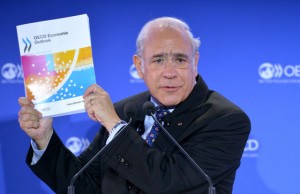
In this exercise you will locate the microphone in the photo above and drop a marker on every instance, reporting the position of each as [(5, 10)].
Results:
[(130, 111), (130, 114), (149, 109)]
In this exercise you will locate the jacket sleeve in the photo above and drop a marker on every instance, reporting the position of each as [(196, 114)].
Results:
[(58, 165)]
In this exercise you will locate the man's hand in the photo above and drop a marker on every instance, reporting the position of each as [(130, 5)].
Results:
[(99, 106), (31, 122)]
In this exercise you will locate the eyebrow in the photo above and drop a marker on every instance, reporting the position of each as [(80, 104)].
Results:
[(166, 55)]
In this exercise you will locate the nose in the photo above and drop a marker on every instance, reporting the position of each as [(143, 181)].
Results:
[(170, 70)]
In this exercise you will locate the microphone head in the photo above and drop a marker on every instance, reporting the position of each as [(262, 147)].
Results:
[(148, 108), (130, 110)]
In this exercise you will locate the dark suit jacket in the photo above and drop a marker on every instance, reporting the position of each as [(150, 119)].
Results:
[(211, 129)]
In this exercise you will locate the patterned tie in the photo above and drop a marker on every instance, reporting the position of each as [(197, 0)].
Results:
[(161, 112)]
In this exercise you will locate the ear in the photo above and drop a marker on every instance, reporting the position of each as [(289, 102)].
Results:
[(196, 59), (139, 66)]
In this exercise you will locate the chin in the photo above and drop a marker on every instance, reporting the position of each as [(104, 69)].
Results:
[(170, 102)]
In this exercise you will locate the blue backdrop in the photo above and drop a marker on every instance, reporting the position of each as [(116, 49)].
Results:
[(249, 53)]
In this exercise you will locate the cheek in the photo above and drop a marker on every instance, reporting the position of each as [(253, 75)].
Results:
[(151, 80), (190, 81), (194, 72)]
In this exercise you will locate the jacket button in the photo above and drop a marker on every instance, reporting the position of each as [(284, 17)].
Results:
[(128, 165), (121, 160)]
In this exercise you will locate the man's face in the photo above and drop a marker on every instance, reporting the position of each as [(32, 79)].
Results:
[(168, 66)]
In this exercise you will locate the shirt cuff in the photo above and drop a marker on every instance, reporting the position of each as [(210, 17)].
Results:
[(115, 130), (37, 154)]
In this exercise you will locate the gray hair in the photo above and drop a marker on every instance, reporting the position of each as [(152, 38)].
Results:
[(165, 22)]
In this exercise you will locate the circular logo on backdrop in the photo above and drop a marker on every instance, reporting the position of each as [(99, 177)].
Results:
[(74, 144), (266, 70), (77, 145), (9, 71), (133, 72)]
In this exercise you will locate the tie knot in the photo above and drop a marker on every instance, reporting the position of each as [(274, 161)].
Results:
[(161, 112)]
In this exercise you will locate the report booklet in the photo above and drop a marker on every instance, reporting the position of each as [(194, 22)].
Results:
[(57, 62)]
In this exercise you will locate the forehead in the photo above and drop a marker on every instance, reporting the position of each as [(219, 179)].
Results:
[(167, 41)]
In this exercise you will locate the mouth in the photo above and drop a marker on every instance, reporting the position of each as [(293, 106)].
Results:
[(170, 88)]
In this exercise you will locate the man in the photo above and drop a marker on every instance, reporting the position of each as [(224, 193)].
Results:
[(211, 129)]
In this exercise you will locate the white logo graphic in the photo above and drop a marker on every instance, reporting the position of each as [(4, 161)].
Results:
[(11, 73), (77, 145), (266, 71), (251, 148), (133, 73), (277, 73)]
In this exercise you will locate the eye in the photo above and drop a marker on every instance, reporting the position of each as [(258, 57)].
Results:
[(159, 60), (180, 60)]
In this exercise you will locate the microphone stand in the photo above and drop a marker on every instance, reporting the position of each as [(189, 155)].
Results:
[(211, 188), (71, 188)]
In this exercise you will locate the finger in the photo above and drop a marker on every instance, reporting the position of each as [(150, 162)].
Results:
[(91, 99), (28, 125), (29, 110), (91, 114), (29, 116), (92, 89), (28, 121), (25, 102), (87, 104)]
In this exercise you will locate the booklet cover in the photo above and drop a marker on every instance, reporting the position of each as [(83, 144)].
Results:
[(57, 62)]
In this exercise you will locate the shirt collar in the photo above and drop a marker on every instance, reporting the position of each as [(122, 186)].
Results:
[(171, 109)]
